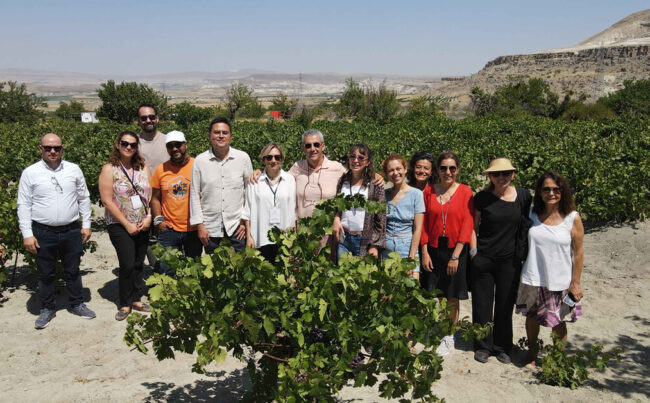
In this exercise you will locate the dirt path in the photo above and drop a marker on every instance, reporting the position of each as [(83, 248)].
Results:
[(79, 360)]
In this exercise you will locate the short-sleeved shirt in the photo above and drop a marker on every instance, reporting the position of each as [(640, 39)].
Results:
[(400, 216), (174, 184), (499, 223), (218, 190), (123, 190), (153, 151), (313, 185)]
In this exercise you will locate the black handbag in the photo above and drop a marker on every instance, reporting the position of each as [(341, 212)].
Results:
[(521, 240)]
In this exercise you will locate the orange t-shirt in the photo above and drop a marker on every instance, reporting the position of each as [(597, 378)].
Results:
[(174, 184)]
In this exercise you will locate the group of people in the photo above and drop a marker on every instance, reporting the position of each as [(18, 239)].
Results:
[(492, 244)]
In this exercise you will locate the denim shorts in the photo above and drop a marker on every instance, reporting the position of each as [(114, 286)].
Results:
[(401, 244)]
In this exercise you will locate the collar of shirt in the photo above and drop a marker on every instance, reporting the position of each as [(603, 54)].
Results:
[(284, 175), (304, 165), (60, 167), (229, 156)]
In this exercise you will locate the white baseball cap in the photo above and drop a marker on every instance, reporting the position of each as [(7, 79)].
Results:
[(175, 135)]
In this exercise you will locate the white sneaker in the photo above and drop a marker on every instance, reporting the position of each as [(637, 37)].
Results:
[(446, 346)]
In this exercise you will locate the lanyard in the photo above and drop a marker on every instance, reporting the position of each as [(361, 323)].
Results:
[(271, 187), (443, 214)]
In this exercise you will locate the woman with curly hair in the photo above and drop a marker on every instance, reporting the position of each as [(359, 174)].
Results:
[(125, 192), (550, 288)]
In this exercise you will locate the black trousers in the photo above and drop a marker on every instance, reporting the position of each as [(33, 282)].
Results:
[(214, 242), (131, 251), (494, 289), (62, 242), (269, 252)]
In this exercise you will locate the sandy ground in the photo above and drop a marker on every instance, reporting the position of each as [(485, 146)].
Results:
[(79, 360)]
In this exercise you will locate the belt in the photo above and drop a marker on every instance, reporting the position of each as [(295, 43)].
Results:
[(399, 236), (352, 232), (56, 228)]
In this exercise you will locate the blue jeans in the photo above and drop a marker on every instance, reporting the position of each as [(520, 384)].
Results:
[(62, 242), (351, 244), (186, 242), (401, 244)]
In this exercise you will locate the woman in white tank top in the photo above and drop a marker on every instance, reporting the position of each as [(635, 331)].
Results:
[(553, 267)]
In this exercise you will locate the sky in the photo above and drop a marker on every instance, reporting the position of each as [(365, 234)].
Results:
[(382, 37)]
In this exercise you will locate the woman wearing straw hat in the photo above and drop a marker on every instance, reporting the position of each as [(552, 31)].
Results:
[(499, 212)]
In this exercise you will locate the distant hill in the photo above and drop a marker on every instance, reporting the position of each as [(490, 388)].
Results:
[(594, 67)]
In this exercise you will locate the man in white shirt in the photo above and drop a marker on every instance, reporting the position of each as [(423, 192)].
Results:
[(51, 195), (217, 192)]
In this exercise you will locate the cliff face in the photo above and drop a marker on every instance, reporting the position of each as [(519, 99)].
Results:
[(594, 67)]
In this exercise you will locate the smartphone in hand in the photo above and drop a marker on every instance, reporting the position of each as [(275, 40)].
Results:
[(569, 300)]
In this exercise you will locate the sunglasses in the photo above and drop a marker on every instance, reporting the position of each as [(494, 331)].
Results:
[(174, 144), (272, 157), (50, 148), (500, 173), (547, 189), (309, 145), (451, 169), (360, 158), (224, 132), (125, 144), (144, 118)]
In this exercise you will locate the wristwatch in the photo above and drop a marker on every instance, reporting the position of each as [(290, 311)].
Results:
[(455, 257), (158, 220)]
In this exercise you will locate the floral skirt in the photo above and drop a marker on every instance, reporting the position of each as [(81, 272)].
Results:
[(545, 305)]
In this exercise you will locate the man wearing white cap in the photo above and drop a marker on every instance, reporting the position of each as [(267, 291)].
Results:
[(170, 200)]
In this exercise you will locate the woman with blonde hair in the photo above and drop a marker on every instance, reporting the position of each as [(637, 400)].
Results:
[(125, 192), (271, 202)]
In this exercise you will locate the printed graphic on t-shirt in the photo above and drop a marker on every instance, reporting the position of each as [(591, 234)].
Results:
[(178, 188)]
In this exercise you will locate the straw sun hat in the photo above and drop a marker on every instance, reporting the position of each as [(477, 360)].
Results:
[(498, 165)]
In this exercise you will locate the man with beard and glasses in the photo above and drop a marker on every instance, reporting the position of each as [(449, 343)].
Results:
[(152, 149), (170, 201), (51, 195)]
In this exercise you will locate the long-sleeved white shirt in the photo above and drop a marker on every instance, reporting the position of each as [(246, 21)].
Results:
[(259, 201), (52, 196), (217, 190)]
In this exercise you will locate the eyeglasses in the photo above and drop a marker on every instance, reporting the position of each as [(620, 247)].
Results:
[(50, 148), (125, 144), (56, 184), (359, 158), (310, 145), (496, 174), (174, 144), (547, 189), (224, 132), (451, 169), (272, 157), (144, 118)]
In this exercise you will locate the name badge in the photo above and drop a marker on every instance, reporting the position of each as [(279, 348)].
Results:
[(136, 202), (274, 216)]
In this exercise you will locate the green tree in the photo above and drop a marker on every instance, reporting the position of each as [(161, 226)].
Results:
[(71, 111), (533, 97), (239, 97), (632, 100), (18, 105), (120, 102), (305, 325), (352, 102), (185, 114), (381, 103)]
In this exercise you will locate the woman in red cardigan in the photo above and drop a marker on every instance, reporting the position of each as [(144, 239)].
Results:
[(448, 226)]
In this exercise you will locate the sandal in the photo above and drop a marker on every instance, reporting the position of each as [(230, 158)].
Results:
[(122, 314), (144, 307)]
